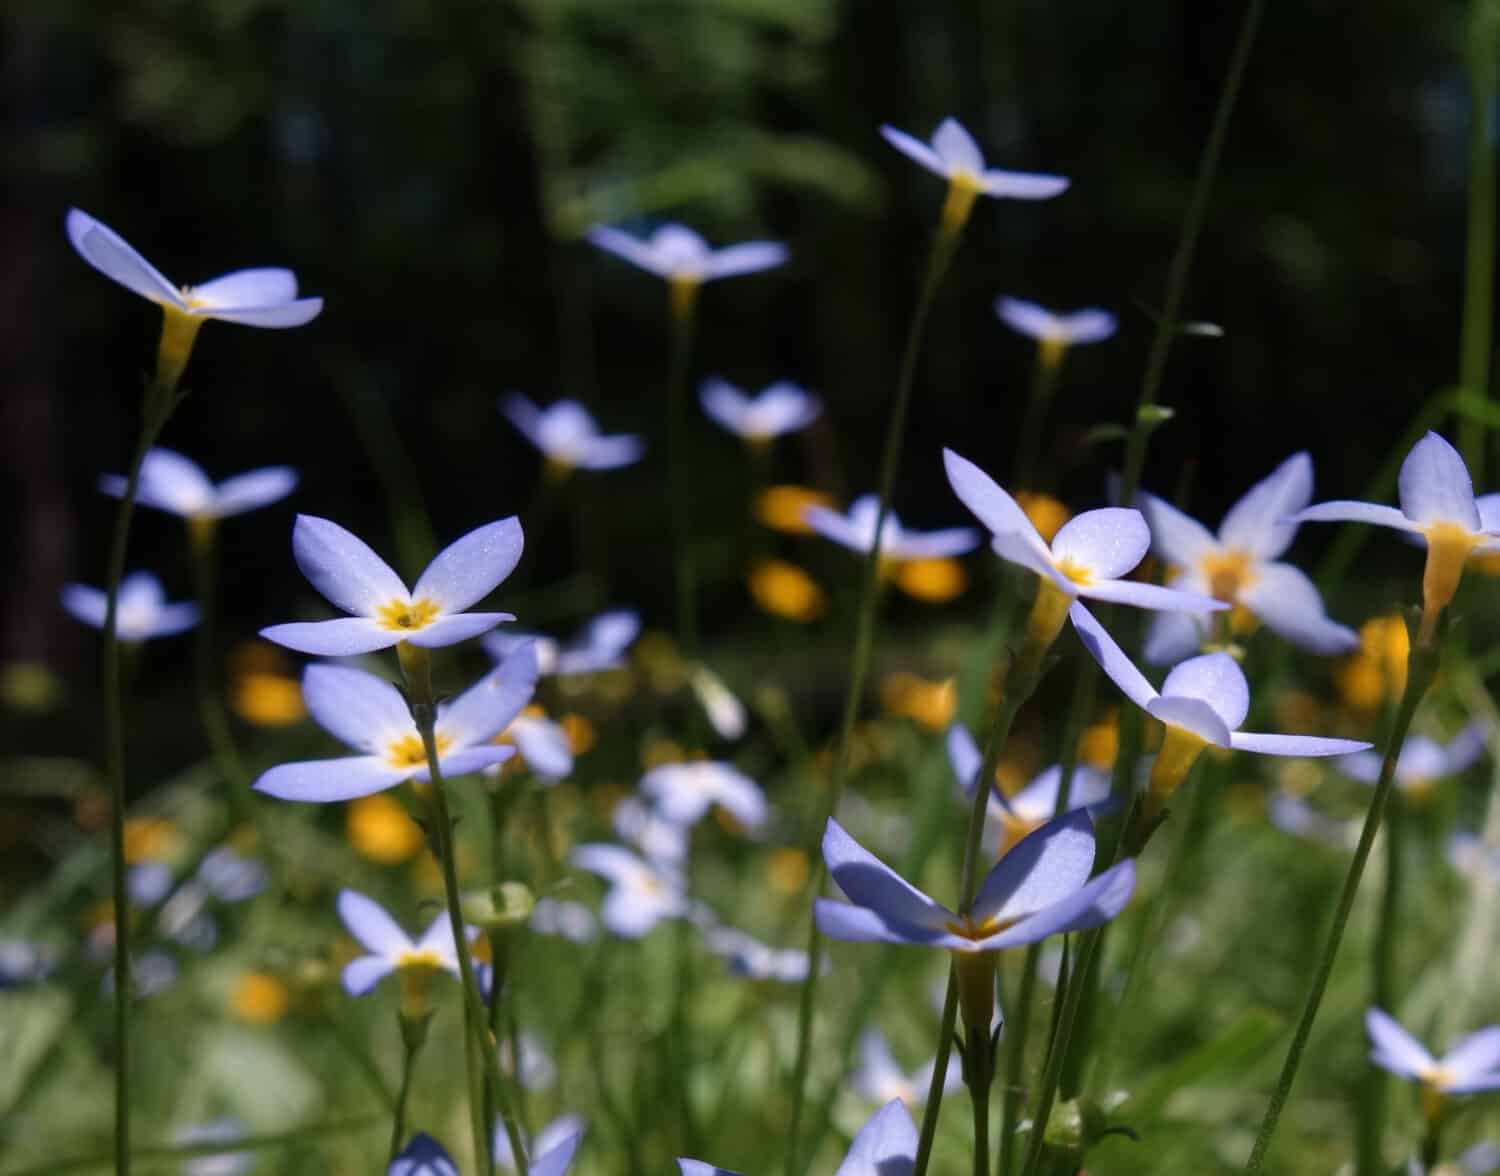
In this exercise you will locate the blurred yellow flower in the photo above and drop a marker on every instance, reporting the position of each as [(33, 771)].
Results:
[(580, 732), (259, 998), (785, 590), (1377, 671), (932, 580), (149, 839), (379, 829), (1100, 742), (781, 507), (1046, 513), (787, 871), (929, 704), (267, 700)]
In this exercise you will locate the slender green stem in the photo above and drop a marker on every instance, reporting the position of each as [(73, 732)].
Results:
[(1479, 258), (683, 323), (980, 1073), (1182, 256), (1422, 666), (1382, 991), (411, 1039), (944, 245), (934, 1102), (1043, 384), (159, 403)]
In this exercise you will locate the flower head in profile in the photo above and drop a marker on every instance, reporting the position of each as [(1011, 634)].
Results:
[(856, 531), (384, 611), (1055, 331), (543, 744), (1011, 818), (1039, 889), (748, 957), (684, 259), (1437, 505), (661, 840), (567, 436), (641, 894), (141, 610), (423, 1156), (778, 408), (599, 646), (254, 297), (1240, 566), (885, 1146), (1202, 703), (878, 1078), (567, 920), (721, 706), (684, 792), (177, 484), (390, 949), (551, 1150), (1423, 762), (953, 154), (371, 716), (1472, 1066)]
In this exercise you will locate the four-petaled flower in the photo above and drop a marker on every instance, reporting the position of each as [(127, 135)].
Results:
[(1422, 762), (684, 259), (369, 714), (684, 792), (885, 1146), (1472, 1066), (348, 574), (856, 531), (1437, 504), (177, 484), (390, 948), (641, 894), (567, 436), (1055, 331), (1239, 566), (141, 609), (779, 408)]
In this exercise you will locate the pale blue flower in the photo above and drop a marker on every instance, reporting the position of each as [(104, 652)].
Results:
[(1472, 1066), (599, 646), (24, 962), (568, 920), (1471, 857), (885, 1146), (254, 297), (141, 609), (879, 1079), (390, 948), (660, 839), (684, 792), (1053, 328), (1422, 762), (177, 484), (748, 957), (544, 746), (779, 408), (369, 714), (856, 531), (678, 254), (566, 434), (1089, 556), (1292, 814), (1207, 697), (641, 894), (230, 876), (221, 1130), (1040, 888), (423, 1156), (953, 154), (352, 577), (1240, 566), (563, 1132)]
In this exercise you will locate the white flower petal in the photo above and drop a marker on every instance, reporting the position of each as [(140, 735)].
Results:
[(747, 258), (356, 708), (1176, 537), (321, 781), (1290, 606), (1108, 543), (957, 149), (343, 568), (1346, 511), (1111, 657), (290, 314), (1434, 485), (470, 568), (885, 1146), (1257, 522), (1299, 745), (1389, 1038), (914, 149), (1043, 868), (1152, 596), (372, 925), (1172, 637), (1191, 714), (1215, 678), (991, 505), (250, 491), (869, 882), (112, 256), (1029, 318), (362, 974), (622, 244), (342, 637), (1023, 185), (452, 630), (246, 289)]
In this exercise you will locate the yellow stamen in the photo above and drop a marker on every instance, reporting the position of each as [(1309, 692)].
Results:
[(963, 187), (407, 751), (406, 616), (1228, 574), (1448, 547)]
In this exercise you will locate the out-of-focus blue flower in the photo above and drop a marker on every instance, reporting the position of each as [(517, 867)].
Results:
[(352, 577), (1472, 1066), (564, 1130), (568, 920), (1052, 329), (390, 948), (779, 408), (599, 646), (230, 876), (177, 484), (684, 792), (369, 714), (1240, 566), (567, 436), (856, 531), (220, 1130), (649, 831), (536, 1070), (879, 1079), (141, 610), (24, 962), (885, 1146), (1422, 762), (1292, 814), (423, 1156), (748, 957), (1471, 857), (678, 254), (953, 154), (641, 894)]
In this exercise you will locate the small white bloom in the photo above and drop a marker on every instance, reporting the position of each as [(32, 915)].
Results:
[(1053, 328), (640, 894), (566, 434), (779, 408), (141, 610), (953, 154), (678, 254), (685, 792), (176, 484), (726, 714), (856, 531)]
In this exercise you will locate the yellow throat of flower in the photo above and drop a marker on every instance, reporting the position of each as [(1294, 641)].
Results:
[(1228, 574), (407, 750), (1448, 548), (178, 331), (963, 187), (1180, 749), (406, 616)]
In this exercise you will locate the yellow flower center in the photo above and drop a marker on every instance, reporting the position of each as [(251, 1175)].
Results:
[(379, 828), (1448, 547), (408, 752), (1075, 572), (421, 957), (1228, 574), (407, 615), (966, 927), (963, 187)]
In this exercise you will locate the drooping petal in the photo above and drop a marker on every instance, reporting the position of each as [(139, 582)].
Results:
[(112, 256), (1096, 902), (492, 704), (246, 288), (1016, 185), (1191, 714), (322, 781), (747, 258), (171, 619), (1029, 553), (250, 491), (914, 149), (1028, 318), (724, 404), (289, 314), (857, 924), (1176, 537), (1171, 637), (832, 525), (526, 416), (544, 746), (871, 883), (1088, 326), (1152, 596), (470, 568), (343, 568), (141, 593), (1257, 522), (1345, 511), (1309, 745), (1217, 679), (342, 637), (885, 1146), (1111, 657), (611, 453), (1363, 766), (356, 708), (453, 629), (1109, 542), (372, 925), (1289, 604), (554, 1160), (363, 973), (1044, 867), (957, 149), (991, 505), (622, 244), (1434, 485), (1475, 1056), (941, 544), (173, 482), (1410, 1057), (964, 757), (85, 604)]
